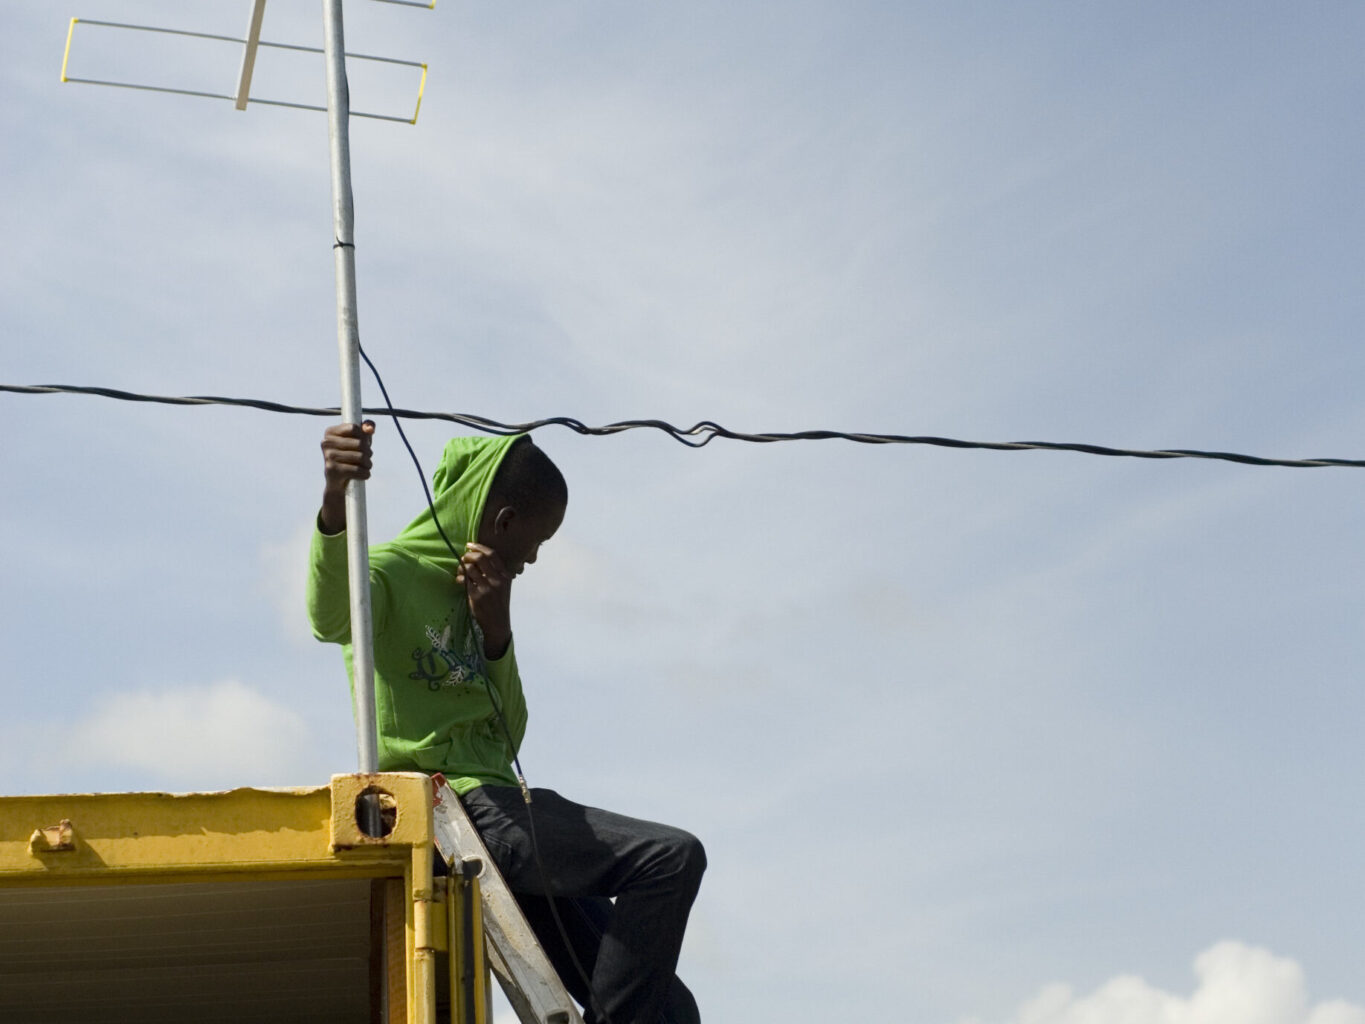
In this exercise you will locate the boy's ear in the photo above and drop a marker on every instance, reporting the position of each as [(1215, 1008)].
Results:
[(504, 518)]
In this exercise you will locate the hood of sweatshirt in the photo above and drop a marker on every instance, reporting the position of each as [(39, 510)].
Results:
[(459, 490)]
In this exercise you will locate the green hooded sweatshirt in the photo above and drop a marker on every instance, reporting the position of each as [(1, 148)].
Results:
[(431, 703)]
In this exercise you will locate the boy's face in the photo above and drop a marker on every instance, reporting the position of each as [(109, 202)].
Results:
[(517, 536)]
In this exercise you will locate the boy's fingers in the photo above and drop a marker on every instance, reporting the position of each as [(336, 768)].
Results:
[(349, 463), (352, 433), (341, 442), (475, 550), (484, 569), (488, 563)]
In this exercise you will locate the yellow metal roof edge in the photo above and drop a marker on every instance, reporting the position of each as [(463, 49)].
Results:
[(294, 790), (62, 838)]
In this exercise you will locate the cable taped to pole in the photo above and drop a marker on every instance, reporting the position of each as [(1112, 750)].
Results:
[(696, 436)]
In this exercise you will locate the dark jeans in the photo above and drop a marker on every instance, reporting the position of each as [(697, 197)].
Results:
[(623, 888)]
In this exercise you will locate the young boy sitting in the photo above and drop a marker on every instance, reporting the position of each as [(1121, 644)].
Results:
[(444, 654)]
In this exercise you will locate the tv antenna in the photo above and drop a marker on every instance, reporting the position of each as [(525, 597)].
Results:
[(339, 114)]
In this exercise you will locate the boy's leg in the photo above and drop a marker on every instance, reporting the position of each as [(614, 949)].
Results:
[(652, 872), (585, 920), (679, 1006)]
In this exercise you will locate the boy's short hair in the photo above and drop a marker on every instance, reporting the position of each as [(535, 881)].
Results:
[(527, 480)]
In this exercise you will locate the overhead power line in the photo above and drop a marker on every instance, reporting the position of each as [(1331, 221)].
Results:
[(696, 436)]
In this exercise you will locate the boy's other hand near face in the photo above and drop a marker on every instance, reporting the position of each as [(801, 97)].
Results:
[(488, 583)]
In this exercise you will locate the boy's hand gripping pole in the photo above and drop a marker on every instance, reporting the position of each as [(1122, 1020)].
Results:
[(348, 340)]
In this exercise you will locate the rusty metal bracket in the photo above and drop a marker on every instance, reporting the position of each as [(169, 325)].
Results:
[(58, 838), (402, 800)]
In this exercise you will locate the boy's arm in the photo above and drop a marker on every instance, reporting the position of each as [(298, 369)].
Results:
[(346, 456), (489, 586), (329, 599)]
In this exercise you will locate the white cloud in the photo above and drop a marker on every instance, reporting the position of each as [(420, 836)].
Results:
[(199, 737), (1237, 984)]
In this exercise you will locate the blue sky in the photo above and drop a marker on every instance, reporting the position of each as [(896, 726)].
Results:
[(956, 727)]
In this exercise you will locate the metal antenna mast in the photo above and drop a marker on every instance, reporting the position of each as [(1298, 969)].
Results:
[(348, 341)]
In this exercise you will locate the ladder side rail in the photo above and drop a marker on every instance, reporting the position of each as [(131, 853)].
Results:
[(523, 969)]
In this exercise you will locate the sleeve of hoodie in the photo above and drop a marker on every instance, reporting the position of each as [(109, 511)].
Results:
[(329, 599)]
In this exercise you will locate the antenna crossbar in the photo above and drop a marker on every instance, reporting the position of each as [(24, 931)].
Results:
[(252, 44)]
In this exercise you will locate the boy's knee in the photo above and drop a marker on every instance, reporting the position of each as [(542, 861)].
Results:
[(689, 854)]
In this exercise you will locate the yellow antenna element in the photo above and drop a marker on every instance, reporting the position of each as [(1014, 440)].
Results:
[(253, 42), (71, 31), (421, 86)]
